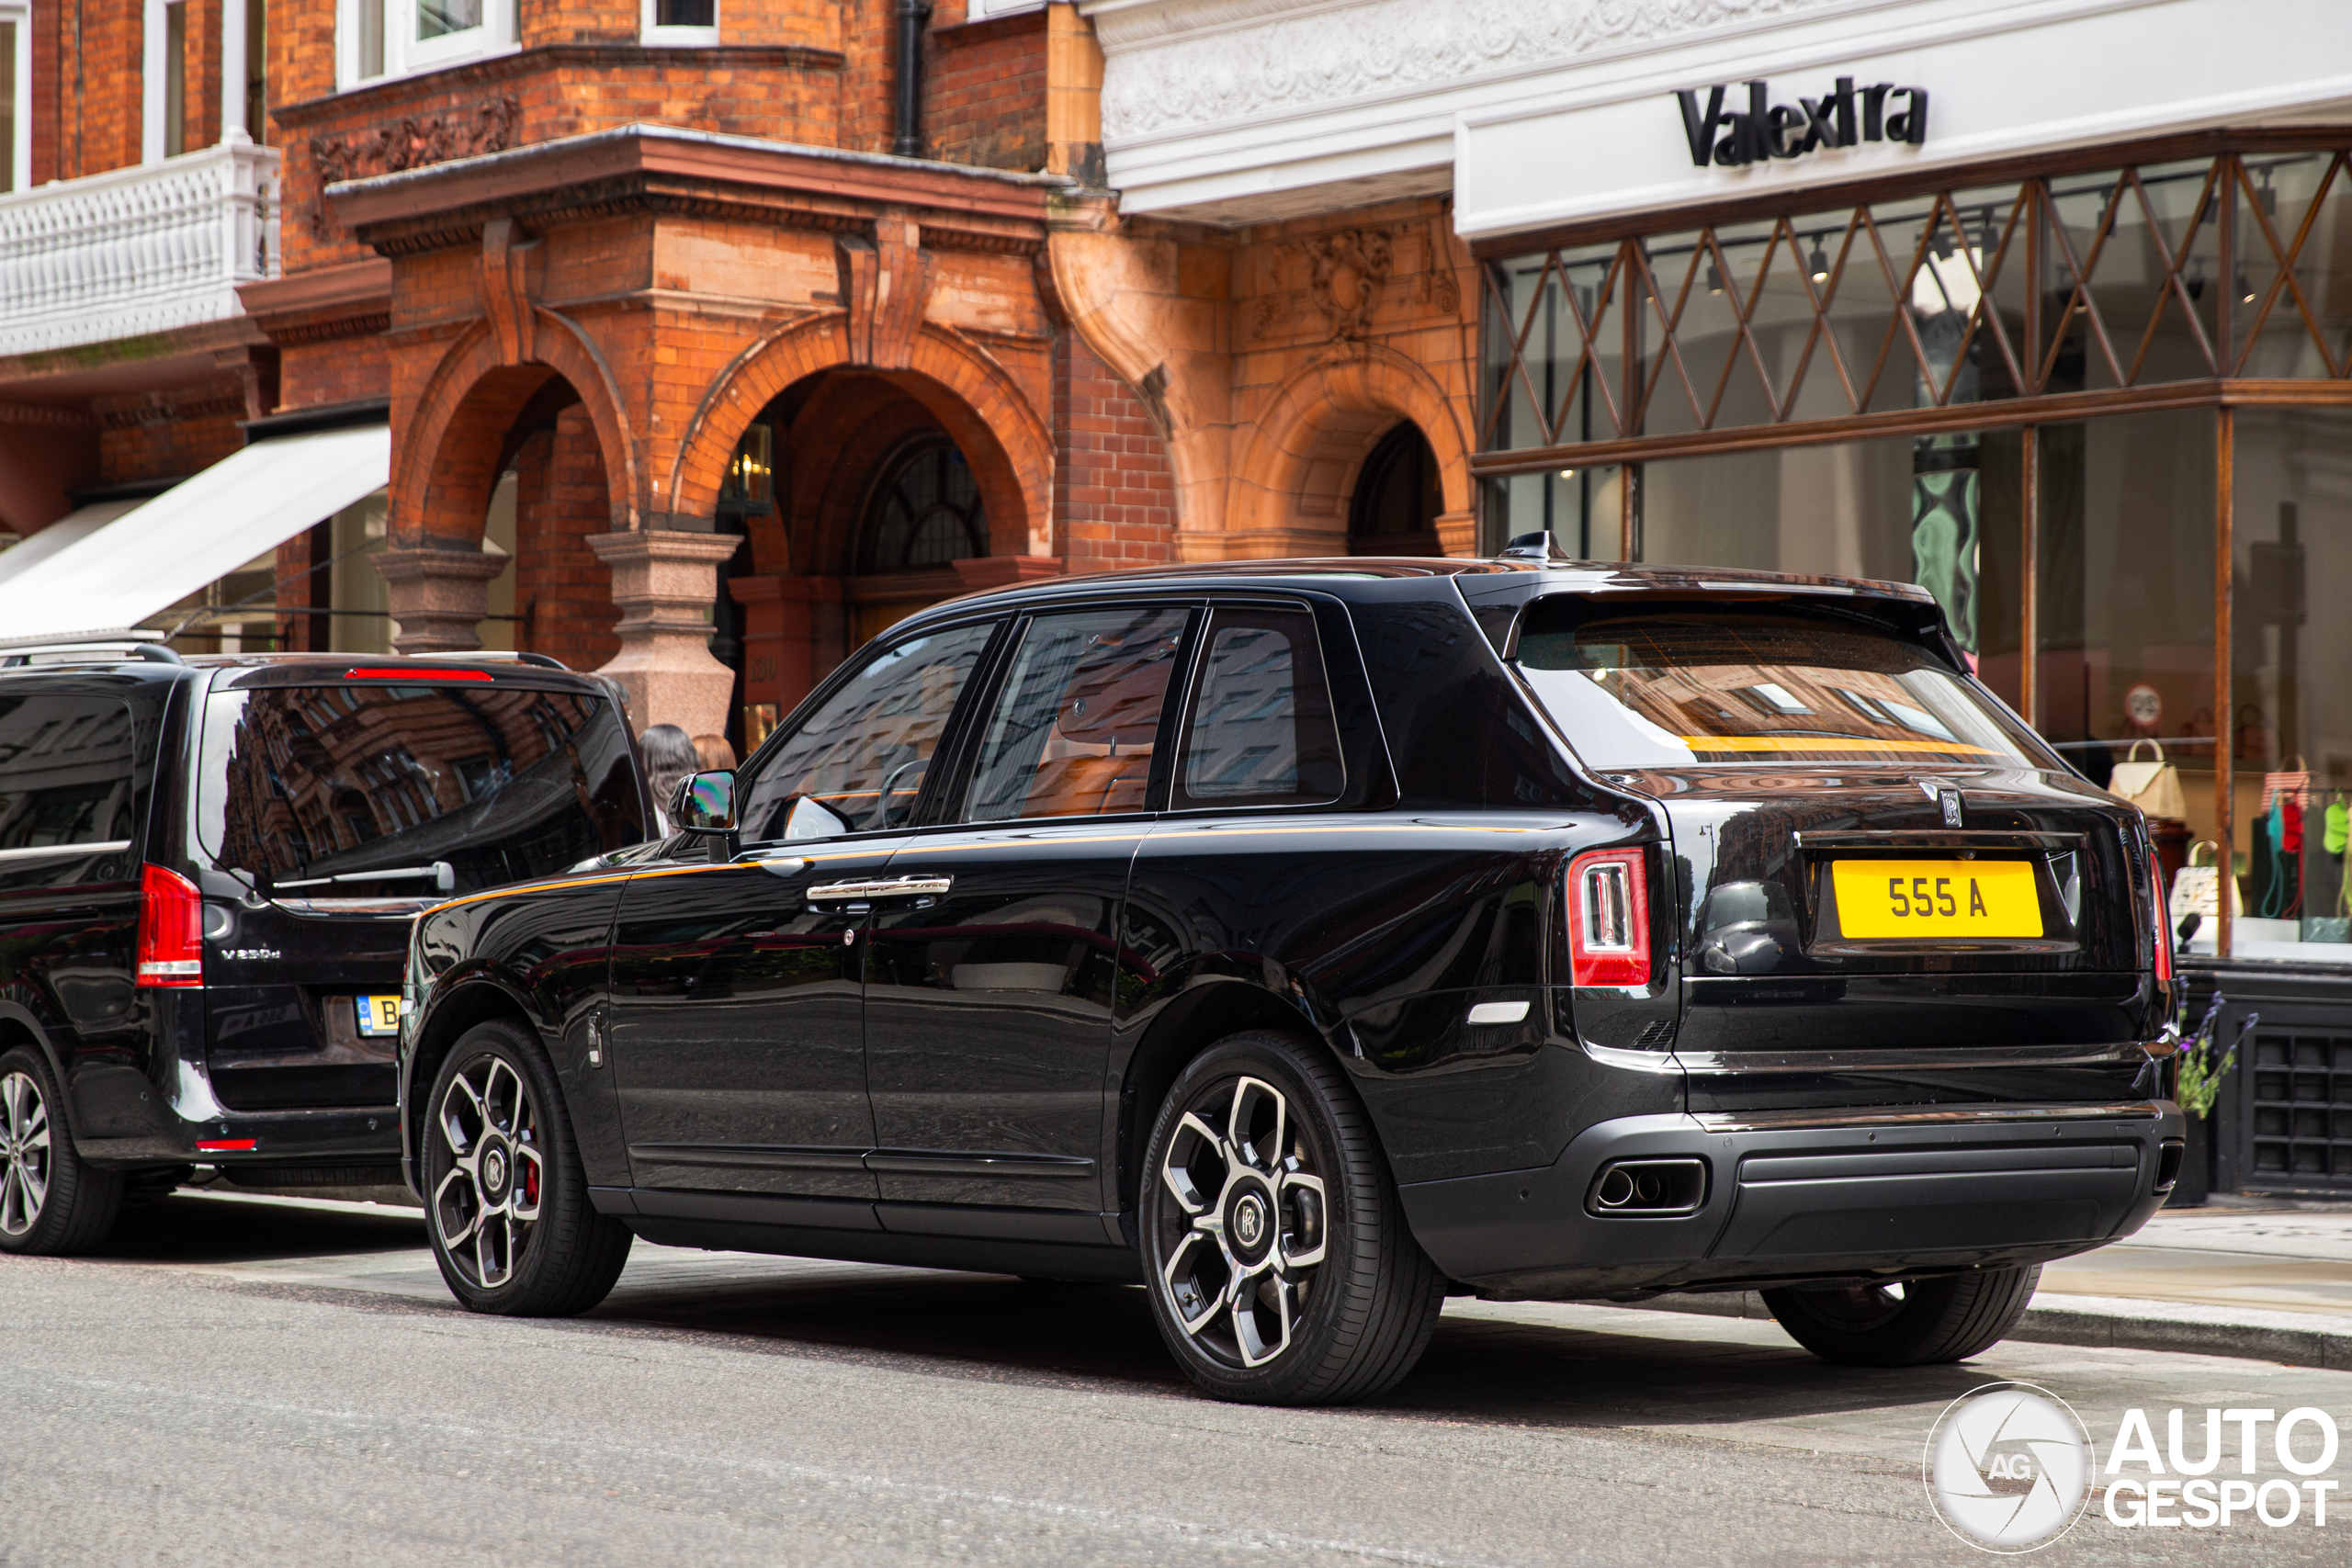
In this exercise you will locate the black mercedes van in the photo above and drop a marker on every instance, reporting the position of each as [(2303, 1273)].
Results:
[(1307, 941), (208, 868)]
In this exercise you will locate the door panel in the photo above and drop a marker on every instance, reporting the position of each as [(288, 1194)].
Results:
[(736, 1038), (988, 1013), (988, 1003), (738, 1035)]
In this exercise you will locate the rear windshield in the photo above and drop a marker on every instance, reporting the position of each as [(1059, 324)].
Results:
[(303, 783), (1665, 688)]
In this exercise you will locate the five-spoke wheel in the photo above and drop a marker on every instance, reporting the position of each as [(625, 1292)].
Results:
[(1281, 1268), (486, 1206), (513, 1227), (1248, 1224), (24, 1154), (51, 1202)]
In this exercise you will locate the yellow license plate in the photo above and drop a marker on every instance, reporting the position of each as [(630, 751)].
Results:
[(1904, 900), (379, 1015)]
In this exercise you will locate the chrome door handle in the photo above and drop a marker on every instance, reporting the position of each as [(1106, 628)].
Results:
[(882, 888)]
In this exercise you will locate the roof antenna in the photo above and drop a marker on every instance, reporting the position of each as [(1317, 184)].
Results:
[(1540, 547)]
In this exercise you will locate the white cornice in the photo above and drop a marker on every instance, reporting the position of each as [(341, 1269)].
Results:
[(1173, 66)]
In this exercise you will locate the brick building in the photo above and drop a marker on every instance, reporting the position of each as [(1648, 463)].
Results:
[(697, 343)]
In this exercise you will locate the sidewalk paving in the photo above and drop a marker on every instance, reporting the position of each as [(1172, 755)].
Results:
[(2274, 1284)]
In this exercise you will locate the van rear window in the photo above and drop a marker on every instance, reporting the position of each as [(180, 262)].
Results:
[(308, 784), (1665, 688)]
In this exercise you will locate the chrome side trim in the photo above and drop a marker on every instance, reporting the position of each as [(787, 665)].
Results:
[(974, 1162), (52, 851), (1954, 1116), (1715, 1063), (882, 888), (1931, 838), (763, 1156)]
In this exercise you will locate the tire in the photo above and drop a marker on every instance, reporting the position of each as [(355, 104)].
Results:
[(51, 1204), (1337, 1301), (506, 1196), (1907, 1324)]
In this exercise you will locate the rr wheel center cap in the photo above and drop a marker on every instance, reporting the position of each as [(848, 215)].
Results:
[(493, 1170), (1250, 1223)]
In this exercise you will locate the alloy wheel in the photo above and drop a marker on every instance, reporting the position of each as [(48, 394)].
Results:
[(486, 1207), (1250, 1226), (24, 1154)]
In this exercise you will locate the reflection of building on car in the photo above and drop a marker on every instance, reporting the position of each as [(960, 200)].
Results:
[(1307, 941), (207, 867)]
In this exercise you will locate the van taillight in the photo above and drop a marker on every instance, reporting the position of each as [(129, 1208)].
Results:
[(171, 929), (2165, 937), (1609, 918)]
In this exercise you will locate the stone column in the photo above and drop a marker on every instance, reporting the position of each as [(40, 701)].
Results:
[(437, 596), (665, 581), (1457, 533)]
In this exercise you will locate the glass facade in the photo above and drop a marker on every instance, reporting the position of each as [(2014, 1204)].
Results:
[(2058, 401)]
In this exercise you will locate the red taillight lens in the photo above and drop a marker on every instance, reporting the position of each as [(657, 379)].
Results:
[(416, 677), (226, 1146), (2163, 907), (1608, 918), (171, 929)]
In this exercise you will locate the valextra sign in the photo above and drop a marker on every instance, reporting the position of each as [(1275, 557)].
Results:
[(1845, 117)]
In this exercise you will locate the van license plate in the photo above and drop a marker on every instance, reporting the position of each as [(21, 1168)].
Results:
[(382, 1015), (1910, 900)]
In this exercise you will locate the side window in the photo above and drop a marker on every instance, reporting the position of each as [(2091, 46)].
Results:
[(1073, 731), (864, 753), (1260, 732), (65, 772)]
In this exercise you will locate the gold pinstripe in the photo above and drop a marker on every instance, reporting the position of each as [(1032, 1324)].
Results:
[(1293, 831)]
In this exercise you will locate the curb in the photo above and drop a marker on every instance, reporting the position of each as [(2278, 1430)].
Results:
[(2290, 1338)]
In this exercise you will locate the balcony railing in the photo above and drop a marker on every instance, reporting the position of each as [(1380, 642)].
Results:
[(141, 250)]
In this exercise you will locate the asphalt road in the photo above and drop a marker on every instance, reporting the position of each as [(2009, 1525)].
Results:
[(247, 1382)]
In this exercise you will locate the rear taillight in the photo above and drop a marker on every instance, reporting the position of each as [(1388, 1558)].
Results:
[(2157, 901), (1609, 918), (171, 929)]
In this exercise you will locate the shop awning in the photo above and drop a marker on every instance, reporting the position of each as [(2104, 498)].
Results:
[(199, 530), (71, 529)]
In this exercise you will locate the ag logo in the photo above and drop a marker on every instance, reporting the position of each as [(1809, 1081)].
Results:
[(2008, 1468)]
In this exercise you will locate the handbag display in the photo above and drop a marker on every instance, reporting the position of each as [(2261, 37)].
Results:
[(2153, 787), (2196, 889)]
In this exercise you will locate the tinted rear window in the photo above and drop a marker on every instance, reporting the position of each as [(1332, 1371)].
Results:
[(501, 783), (65, 772), (1666, 688)]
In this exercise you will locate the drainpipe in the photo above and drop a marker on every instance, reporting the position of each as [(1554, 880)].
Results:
[(912, 15)]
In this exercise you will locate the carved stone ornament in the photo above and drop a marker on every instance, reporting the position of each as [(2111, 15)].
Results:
[(1347, 271), (412, 143), (1187, 64)]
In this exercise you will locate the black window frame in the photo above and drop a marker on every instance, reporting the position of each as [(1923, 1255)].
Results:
[(1184, 804)]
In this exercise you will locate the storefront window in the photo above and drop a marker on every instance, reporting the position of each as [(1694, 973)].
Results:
[(2125, 595), (2291, 725), (2134, 277)]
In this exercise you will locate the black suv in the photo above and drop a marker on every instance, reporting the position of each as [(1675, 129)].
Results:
[(1310, 940), (207, 872)]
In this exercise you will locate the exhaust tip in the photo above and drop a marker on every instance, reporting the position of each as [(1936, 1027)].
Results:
[(1649, 1188)]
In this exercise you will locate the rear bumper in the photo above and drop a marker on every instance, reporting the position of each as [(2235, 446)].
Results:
[(1807, 1195)]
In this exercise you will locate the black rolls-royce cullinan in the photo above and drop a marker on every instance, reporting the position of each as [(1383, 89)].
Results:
[(1306, 942)]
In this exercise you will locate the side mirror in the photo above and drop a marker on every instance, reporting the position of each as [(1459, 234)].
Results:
[(704, 804), (812, 818)]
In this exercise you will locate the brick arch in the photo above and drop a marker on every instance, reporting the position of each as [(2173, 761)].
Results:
[(458, 425), (1301, 459), (1006, 441)]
